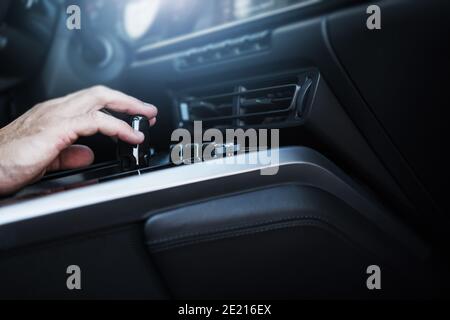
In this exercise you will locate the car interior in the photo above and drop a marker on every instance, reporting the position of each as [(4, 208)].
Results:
[(360, 173)]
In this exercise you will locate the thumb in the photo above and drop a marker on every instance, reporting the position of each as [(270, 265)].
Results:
[(73, 157)]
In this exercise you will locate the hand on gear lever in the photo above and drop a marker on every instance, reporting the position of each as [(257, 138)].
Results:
[(42, 139), (136, 156)]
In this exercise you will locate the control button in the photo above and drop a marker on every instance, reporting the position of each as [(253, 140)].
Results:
[(227, 49)]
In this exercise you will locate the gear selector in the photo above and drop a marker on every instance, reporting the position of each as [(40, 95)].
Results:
[(136, 156)]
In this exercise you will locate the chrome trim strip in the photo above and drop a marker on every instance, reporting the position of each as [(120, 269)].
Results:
[(136, 185), (304, 165), (136, 126)]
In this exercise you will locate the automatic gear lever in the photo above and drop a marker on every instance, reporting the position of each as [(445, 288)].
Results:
[(136, 156)]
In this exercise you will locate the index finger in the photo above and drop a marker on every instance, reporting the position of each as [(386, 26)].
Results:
[(99, 97)]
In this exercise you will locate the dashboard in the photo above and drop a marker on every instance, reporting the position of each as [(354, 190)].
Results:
[(161, 20), (185, 53), (126, 24), (152, 21)]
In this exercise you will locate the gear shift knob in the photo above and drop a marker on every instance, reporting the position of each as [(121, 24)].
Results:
[(136, 156)]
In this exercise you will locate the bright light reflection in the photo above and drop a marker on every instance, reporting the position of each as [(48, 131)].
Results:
[(139, 16)]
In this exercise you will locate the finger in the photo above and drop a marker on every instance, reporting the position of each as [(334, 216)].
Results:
[(73, 157), (109, 126), (100, 97), (138, 108), (152, 122)]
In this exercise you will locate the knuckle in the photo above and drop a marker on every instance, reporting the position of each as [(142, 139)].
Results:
[(98, 90), (93, 117), (123, 126)]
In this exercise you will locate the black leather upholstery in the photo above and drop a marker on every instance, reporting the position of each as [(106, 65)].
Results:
[(284, 242)]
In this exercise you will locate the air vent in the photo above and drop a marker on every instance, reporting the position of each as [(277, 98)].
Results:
[(267, 103)]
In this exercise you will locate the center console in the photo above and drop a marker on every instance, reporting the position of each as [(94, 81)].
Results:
[(197, 214), (218, 226)]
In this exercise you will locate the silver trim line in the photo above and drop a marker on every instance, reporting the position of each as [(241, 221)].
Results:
[(136, 127), (136, 185), (301, 165)]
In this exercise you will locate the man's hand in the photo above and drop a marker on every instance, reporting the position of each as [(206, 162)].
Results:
[(41, 139)]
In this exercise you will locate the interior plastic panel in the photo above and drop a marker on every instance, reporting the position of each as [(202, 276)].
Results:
[(386, 72), (114, 265), (297, 46)]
